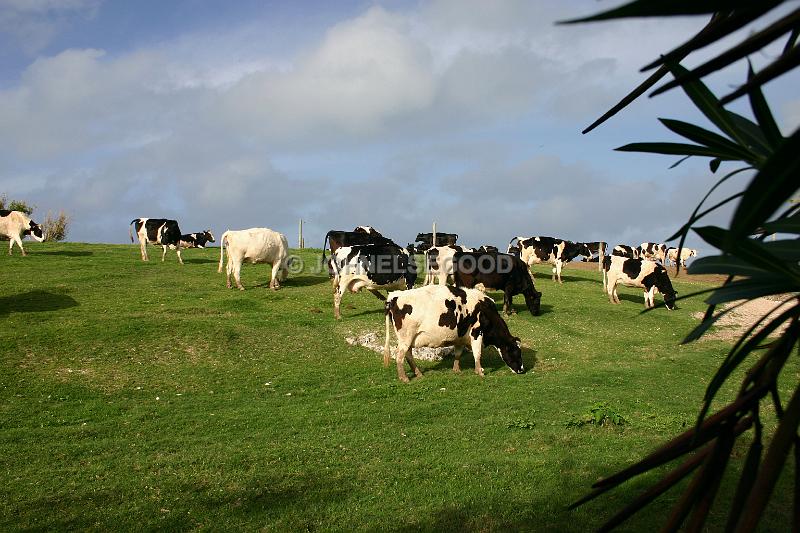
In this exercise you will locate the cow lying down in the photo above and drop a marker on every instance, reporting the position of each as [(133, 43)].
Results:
[(649, 275), (436, 316)]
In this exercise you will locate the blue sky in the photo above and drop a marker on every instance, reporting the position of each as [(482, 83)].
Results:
[(227, 115)]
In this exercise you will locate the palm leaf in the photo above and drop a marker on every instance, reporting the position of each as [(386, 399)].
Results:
[(763, 115), (780, 66), (661, 8), (711, 140)]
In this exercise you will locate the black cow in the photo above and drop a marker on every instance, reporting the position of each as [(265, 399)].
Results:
[(371, 267), (369, 230), (535, 250), (159, 231), (488, 248), (197, 240), (442, 239), (496, 271)]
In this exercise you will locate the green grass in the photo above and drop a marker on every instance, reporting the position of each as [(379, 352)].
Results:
[(145, 395)]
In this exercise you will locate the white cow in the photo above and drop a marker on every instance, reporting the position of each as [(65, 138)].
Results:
[(255, 245), (14, 225), (436, 316), (686, 253)]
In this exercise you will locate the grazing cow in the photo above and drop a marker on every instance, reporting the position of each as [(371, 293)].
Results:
[(686, 253), (623, 250), (369, 230), (598, 250), (255, 245), (500, 272), (436, 316), (14, 225), (649, 275), (338, 238), (442, 239), (535, 250), (371, 267), (439, 262), (159, 231), (197, 240), (653, 251)]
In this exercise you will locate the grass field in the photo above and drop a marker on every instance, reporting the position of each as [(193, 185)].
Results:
[(147, 396)]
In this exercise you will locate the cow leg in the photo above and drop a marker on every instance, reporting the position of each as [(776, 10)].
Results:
[(559, 264), (164, 254), (457, 358), (237, 275), (477, 347), (410, 358), (10, 245), (228, 270), (337, 301), (143, 249), (178, 251), (508, 304), (274, 284)]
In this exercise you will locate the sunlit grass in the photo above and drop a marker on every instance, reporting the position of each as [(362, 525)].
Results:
[(146, 395)]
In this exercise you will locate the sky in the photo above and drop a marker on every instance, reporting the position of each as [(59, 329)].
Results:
[(394, 114)]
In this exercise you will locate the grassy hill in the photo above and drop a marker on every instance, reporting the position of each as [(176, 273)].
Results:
[(146, 395)]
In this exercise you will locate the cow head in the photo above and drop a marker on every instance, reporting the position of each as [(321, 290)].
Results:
[(664, 286), (533, 299), (495, 332), (35, 231), (209, 236)]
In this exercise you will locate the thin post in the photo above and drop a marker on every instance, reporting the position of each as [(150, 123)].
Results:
[(300, 235)]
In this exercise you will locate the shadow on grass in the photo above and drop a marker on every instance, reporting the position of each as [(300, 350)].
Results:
[(305, 281), (35, 301), (66, 253), (491, 360), (199, 261)]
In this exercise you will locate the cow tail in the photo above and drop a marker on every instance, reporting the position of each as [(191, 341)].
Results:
[(388, 320), (130, 228), (324, 244), (222, 242)]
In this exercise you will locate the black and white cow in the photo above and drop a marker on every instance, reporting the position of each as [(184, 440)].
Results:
[(499, 272), (369, 230), (254, 245), (371, 267), (425, 240), (643, 273), (338, 238), (653, 251), (623, 250), (487, 248), (558, 252), (439, 262), (197, 240), (159, 231), (686, 253), (14, 225), (598, 250), (438, 315)]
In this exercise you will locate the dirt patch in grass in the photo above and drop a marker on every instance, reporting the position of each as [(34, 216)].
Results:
[(736, 322), (371, 340)]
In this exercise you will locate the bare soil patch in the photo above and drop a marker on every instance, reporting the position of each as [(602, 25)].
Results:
[(736, 322)]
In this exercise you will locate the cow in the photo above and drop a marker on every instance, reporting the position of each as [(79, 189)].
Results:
[(371, 267), (535, 250), (442, 239), (598, 250), (500, 272), (197, 240), (159, 231), (369, 230), (649, 275), (254, 245), (338, 238), (438, 315), (487, 248), (686, 253), (653, 251), (623, 250), (439, 262), (14, 225)]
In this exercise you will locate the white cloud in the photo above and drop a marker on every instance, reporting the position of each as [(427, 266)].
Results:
[(34, 23)]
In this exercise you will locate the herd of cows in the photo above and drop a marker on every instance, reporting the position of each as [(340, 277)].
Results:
[(435, 315)]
